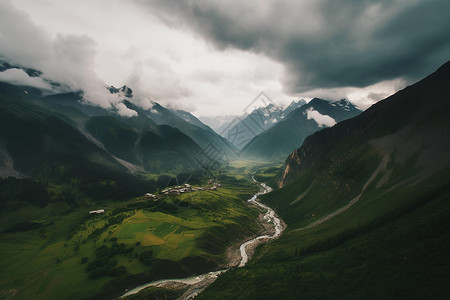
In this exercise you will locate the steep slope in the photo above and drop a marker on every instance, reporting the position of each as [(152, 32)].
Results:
[(34, 136), (367, 205), (398, 143), (415, 114), (118, 138), (188, 117), (121, 136), (40, 144), (202, 135), (289, 134), (239, 130), (153, 148), (182, 120)]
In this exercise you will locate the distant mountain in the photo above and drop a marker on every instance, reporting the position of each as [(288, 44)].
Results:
[(288, 134), (188, 117), (125, 91), (189, 125), (242, 129), (293, 106), (217, 123), (184, 121), (239, 130)]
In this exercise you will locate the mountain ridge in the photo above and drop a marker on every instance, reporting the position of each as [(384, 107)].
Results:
[(289, 133), (301, 157)]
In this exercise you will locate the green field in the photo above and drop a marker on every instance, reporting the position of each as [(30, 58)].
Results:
[(61, 251)]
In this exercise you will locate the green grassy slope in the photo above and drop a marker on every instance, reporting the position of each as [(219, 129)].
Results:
[(116, 136), (153, 148), (367, 205), (44, 146), (399, 253), (58, 252)]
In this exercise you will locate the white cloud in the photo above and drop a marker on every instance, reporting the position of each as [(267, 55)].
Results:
[(20, 39), (321, 120), (172, 66), (20, 77), (91, 44), (124, 111), (67, 59)]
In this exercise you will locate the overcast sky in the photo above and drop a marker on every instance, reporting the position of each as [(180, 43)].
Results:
[(213, 56)]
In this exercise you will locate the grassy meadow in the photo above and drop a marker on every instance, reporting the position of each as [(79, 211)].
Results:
[(60, 251)]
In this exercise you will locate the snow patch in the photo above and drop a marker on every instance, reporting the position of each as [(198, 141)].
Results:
[(321, 120)]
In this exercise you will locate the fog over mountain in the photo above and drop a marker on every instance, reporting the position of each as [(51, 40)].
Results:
[(213, 58)]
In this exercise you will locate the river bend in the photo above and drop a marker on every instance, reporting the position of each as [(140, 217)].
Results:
[(269, 216)]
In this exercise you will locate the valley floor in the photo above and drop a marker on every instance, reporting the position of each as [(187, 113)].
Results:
[(238, 256), (65, 248)]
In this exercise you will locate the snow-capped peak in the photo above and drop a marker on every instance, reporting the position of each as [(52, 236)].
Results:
[(344, 103)]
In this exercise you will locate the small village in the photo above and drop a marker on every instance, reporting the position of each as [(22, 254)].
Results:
[(177, 190), (185, 188)]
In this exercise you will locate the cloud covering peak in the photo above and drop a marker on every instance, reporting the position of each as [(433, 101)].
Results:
[(68, 60)]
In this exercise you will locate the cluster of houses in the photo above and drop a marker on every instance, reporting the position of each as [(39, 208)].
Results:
[(185, 188), (177, 190), (151, 196)]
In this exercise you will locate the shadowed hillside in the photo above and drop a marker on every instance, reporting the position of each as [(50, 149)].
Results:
[(367, 204)]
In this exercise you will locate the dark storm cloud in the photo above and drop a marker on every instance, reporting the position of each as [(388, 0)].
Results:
[(324, 44)]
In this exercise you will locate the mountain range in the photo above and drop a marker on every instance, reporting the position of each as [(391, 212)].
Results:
[(90, 152), (296, 124), (134, 144), (365, 195), (242, 129), (187, 123), (159, 139), (137, 143)]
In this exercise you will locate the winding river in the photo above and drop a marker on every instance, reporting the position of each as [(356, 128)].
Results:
[(269, 216)]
